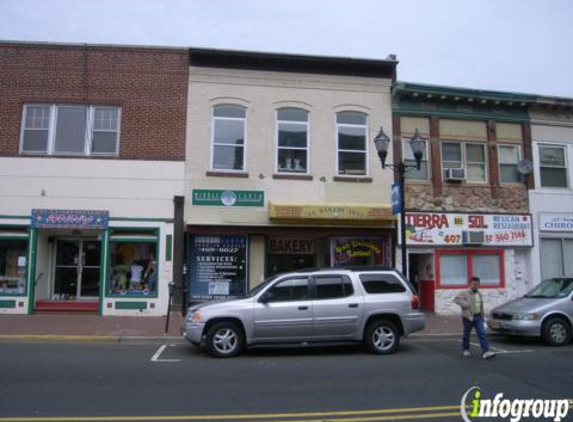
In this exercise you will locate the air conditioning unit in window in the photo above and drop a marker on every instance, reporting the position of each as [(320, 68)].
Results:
[(473, 238), (456, 175)]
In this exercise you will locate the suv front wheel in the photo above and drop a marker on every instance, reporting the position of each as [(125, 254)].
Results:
[(225, 339), (381, 337)]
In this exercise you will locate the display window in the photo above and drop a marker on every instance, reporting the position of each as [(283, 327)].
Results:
[(133, 269), (360, 251), (457, 267), (13, 266), (289, 253)]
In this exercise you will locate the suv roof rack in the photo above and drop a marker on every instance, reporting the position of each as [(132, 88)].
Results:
[(357, 268)]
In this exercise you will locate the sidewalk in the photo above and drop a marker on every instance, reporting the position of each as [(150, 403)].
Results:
[(93, 327)]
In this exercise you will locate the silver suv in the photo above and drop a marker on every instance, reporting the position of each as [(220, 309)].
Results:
[(375, 306)]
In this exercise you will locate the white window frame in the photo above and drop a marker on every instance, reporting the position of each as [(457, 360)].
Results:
[(499, 163), (566, 149), (245, 143), (464, 158), (278, 147), (365, 126), (407, 150), (89, 129)]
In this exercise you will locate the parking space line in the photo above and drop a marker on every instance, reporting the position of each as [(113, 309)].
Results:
[(503, 351), (155, 357)]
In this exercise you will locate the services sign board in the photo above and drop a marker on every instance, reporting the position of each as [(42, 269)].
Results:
[(218, 267), (556, 222), (69, 219), (447, 229)]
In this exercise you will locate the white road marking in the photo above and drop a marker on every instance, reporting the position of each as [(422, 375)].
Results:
[(161, 349), (503, 351)]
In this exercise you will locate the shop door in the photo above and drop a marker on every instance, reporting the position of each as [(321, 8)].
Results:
[(77, 269)]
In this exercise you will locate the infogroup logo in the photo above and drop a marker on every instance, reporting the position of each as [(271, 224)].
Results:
[(514, 409)]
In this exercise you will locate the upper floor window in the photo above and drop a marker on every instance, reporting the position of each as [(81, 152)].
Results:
[(70, 130), (509, 156), (464, 155), (413, 173), (229, 134), (292, 139), (553, 166), (351, 132)]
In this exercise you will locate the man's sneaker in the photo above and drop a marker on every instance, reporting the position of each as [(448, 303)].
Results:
[(488, 355), (467, 354)]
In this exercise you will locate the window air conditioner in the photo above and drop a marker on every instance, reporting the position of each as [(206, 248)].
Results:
[(473, 238), (456, 175)]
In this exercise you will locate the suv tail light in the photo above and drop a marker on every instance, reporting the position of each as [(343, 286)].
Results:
[(415, 302)]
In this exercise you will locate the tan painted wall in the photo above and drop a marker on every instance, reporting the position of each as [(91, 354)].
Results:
[(256, 260), (262, 93)]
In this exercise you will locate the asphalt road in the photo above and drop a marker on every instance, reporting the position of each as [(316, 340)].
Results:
[(425, 379)]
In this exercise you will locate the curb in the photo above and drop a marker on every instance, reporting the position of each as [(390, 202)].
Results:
[(86, 338)]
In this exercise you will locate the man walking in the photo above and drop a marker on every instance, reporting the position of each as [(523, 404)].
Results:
[(471, 302)]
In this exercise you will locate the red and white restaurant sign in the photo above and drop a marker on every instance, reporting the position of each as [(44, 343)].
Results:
[(447, 229)]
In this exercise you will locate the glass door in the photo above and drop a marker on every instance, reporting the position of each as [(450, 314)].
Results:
[(77, 269)]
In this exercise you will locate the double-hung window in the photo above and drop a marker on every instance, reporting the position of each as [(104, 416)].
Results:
[(553, 166), (292, 140), (508, 156), (413, 173), (70, 130), (352, 141), (469, 156), (229, 138)]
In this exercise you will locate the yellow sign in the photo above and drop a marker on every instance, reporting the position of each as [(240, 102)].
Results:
[(339, 213)]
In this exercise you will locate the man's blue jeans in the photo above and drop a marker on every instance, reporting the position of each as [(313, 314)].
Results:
[(477, 323)]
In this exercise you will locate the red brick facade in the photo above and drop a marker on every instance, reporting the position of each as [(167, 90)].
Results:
[(149, 84)]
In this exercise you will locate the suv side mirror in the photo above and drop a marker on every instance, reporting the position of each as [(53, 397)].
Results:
[(266, 297)]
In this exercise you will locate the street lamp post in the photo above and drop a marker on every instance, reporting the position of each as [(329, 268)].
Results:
[(418, 145)]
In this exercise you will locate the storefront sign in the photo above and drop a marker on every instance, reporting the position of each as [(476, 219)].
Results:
[(450, 229), (360, 251), (329, 212), (290, 246), (218, 267), (70, 219), (228, 198), (556, 222)]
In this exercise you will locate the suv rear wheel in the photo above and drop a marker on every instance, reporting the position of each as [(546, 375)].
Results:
[(225, 339), (556, 332), (381, 337)]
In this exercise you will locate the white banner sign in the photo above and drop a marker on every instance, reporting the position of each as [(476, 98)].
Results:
[(556, 222), (451, 229)]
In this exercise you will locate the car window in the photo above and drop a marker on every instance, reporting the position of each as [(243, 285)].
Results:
[(552, 289), (381, 283), (333, 286), (289, 290)]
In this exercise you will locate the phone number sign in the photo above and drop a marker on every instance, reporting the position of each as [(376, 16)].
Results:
[(452, 229)]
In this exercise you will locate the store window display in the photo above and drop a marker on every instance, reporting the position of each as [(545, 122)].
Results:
[(13, 264), (133, 269)]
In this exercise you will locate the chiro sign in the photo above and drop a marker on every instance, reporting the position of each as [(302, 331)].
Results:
[(455, 229), (228, 198)]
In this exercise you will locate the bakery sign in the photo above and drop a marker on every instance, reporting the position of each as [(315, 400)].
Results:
[(453, 229)]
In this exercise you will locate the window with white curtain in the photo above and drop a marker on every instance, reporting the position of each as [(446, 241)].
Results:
[(458, 267), (292, 140), (352, 142)]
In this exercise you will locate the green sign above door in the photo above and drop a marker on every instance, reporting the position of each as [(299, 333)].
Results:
[(228, 198)]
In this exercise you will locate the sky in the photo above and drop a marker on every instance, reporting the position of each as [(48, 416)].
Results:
[(523, 46)]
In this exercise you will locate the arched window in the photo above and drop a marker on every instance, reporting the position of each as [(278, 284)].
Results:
[(229, 137), (292, 140), (352, 141)]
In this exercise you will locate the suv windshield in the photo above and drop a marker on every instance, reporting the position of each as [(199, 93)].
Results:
[(261, 286), (552, 289)]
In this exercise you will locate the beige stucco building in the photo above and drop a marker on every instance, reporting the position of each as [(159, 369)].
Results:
[(281, 165)]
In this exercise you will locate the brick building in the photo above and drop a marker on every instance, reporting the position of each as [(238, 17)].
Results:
[(467, 208), (92, 150)]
